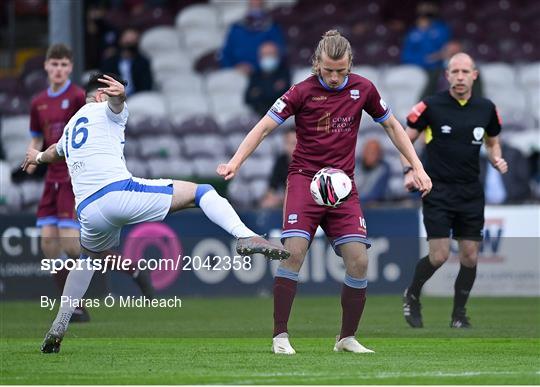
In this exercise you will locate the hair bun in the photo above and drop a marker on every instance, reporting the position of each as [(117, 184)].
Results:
[(331, 33)]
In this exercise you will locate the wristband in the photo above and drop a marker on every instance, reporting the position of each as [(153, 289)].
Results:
[(407, 170), (38, 158)]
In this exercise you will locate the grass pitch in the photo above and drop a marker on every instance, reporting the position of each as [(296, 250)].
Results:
[(227, 341)]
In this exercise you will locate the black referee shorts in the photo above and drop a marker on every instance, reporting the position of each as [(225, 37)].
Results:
[(454, 210)]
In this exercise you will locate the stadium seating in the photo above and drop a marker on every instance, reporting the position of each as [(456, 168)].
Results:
[(147, 104), (192, 121), (181, 82), (401, 88), (15, 139), (197, 16), (159, 40), (230, 11), (181, 107)]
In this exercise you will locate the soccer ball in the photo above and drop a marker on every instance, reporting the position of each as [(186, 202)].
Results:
[(330, 187)]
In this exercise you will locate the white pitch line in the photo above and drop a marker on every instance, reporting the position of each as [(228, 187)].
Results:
[(272, 376)]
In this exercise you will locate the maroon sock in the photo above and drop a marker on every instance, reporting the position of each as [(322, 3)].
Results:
[(284, 292), (60, 279), (352, 303)]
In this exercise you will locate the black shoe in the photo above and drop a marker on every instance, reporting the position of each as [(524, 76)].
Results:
[(411, 310), (53, 339), (460, 319), (142, 278), (80, 315)]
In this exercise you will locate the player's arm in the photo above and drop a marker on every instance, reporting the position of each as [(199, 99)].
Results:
[(262, 129), (116, 93), (35, 157), (35, 143), (403, 143), (408, 182), (493, 147)]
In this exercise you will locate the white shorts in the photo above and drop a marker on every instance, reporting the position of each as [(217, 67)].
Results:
[(130, 201)]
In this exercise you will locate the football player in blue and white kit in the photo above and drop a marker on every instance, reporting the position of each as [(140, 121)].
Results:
[(108, 197)]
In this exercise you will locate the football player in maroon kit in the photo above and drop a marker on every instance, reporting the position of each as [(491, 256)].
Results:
[(327, 107)]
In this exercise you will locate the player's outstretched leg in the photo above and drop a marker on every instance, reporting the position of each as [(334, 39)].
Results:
[(219, 210), (257, 244), (76, 285)]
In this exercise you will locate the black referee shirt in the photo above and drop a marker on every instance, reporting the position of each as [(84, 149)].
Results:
[(454, 133)]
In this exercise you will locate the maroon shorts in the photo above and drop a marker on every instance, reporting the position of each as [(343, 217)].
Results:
[(57, 206), (302, 216)]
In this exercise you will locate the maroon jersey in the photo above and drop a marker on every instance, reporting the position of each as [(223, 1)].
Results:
[(327, 121), (49, 113)]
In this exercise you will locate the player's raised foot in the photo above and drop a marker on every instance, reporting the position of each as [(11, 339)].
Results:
[(53, 338), (257, 244), (143, 280), (460, 319), (80, 315), (281, 345), (411, 310), (350, 344)]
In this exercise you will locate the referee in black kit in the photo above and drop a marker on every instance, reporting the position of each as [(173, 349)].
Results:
[(456, 124)]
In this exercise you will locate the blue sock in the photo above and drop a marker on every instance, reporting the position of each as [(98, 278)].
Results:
[(286, 273), (355, 282)]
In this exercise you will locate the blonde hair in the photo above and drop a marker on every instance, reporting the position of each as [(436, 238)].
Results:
[(334, 45)]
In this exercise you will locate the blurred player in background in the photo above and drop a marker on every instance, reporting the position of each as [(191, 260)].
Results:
[(327, 107), (456, 123), (108, 196), (50, 112)]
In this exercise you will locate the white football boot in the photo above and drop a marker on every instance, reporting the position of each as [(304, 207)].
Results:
[(281, 345), (350, 344)]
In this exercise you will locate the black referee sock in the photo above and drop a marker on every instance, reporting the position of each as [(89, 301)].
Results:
[(424, 270), (463, 285)]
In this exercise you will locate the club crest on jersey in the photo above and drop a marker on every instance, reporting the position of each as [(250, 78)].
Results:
[(478, 134), (355, 94), (65, 104), (293, 218)]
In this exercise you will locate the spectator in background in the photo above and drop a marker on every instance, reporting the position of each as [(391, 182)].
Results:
[(510, 188), (278, 180), (101, 36), (437, 76), (130, 64), (423, 45), (269, 82), (246, 36), (373, 173)]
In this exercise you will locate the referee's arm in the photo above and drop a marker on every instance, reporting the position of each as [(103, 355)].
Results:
[(493, 147)]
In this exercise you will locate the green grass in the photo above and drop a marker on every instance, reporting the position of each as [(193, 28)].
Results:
[(226, 341)]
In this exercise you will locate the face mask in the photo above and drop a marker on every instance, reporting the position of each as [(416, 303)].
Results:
[(131, 48), (269, 63)]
